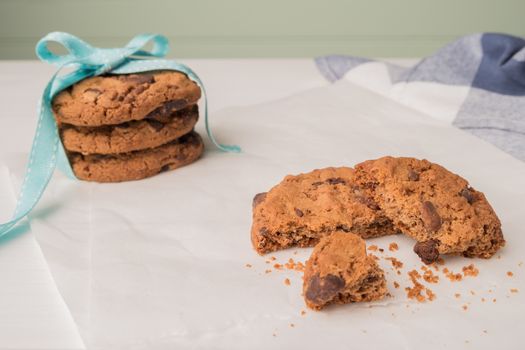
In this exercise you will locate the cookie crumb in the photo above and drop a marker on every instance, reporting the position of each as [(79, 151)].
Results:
[(287, 281), (396, 285), (395, 263), (273, 258), (299, 266), (457, 295), (510, 273), (292, 325), (416, 292), (520, 263), (430, 277), (472, 292), (465, 307), (248, 265), (393, 247), (372, 248), (430, 295), (381, 250), (267, 271), (470, 270), (303, 312), (277, 266), (482, 300), (494, 300), (453, 277), (514, 290), (485, 331)]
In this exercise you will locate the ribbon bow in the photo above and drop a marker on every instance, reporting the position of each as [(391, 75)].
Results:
[(85, 61)]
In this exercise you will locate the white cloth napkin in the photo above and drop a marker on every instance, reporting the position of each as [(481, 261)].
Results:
[(161, 263)]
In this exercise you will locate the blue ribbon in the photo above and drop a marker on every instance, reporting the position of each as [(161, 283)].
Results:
[(85, 61)]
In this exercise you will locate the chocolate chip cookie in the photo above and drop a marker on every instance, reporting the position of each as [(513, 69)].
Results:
[(304, 208), (437, 208), (116, 99), (161, 126), (339, 271), (138, 164)]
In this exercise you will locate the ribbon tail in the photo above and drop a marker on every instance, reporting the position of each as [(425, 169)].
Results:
[(222, 147), (42, 162)]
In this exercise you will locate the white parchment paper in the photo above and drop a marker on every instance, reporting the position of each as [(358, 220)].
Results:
[(161, 263)]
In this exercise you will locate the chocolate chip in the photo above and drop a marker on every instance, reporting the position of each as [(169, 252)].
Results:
[(323, 289), (468, 195), (168, 108), (139, 78), (182, 156), (164, 168), (317, 183), (158, 126), (264, 232), (140, 89), (93, 90), (412, 175), (427, 250), (258, 198), (91, 94), (335, 181), (430, 216), (298, 212), (344, 228)]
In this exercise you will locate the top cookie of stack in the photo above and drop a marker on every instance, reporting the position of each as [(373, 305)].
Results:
[(128, 127)]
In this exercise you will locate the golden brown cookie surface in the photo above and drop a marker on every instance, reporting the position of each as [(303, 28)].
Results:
[(339, 271), (434, 206), (303, 208), (116, 99), (154, 130), (138, 164)]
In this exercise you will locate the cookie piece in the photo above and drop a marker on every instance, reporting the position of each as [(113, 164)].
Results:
[(437, 208), (339, 272), (303, 208), (116, 99), (155, 130), (139, 164)]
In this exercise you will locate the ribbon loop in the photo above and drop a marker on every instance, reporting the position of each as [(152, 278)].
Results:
[(160, 45), (76, 48), (99, 60)]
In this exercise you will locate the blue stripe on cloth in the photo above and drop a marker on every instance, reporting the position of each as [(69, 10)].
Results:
[(493, 65), (499, 70)]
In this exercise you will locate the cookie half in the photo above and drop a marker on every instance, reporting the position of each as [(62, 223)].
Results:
[(434, 206), (158, 128), (116, 99), (339, 271), (139, 164), (304, 208)]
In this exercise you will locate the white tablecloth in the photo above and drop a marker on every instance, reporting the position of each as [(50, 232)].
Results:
[(160, 263)]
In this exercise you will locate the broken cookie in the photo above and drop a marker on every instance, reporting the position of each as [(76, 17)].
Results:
[(339, 271), (304, 208), (434, 206)]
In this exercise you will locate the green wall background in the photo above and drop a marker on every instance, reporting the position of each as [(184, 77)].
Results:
[(264, 28)]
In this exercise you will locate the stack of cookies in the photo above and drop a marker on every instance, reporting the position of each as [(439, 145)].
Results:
[(129, 127)]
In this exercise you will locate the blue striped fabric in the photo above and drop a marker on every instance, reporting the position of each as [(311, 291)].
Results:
[(491, 65)]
